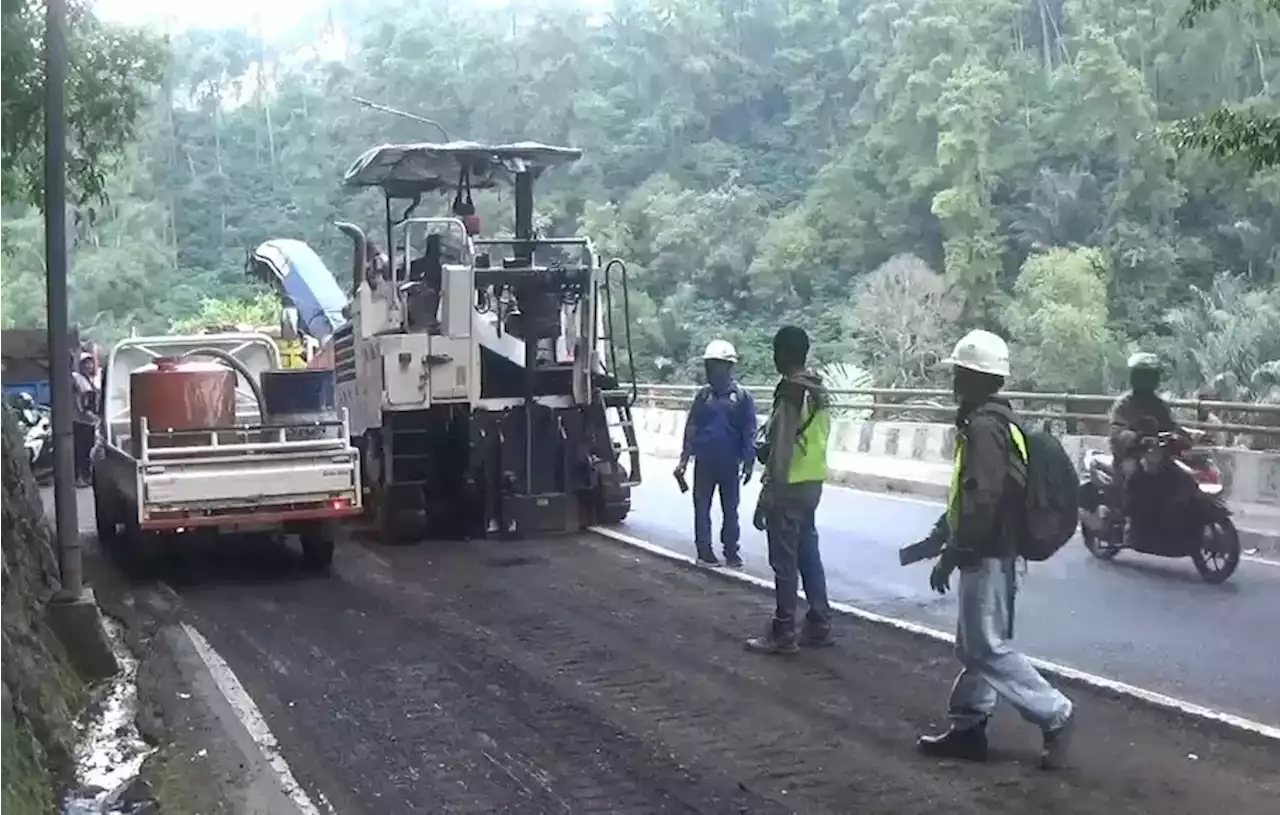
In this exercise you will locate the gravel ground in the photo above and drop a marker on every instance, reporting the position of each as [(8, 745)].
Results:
[(579, 676)]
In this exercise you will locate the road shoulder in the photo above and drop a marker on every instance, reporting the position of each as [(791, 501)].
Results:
[(204, 760)]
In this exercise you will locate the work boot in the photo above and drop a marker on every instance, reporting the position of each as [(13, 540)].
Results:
[(774, 641), (969, 744), (1057, 743), (815, 636)]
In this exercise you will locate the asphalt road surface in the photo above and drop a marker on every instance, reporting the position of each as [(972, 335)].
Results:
[(580, 676), (1147, 621)]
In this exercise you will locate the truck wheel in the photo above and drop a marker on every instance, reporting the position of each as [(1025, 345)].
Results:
[(141, 553), (317, 547), (104, 511)]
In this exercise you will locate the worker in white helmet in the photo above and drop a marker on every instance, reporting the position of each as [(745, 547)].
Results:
[(720, 436), (981, 527), (85, 420)]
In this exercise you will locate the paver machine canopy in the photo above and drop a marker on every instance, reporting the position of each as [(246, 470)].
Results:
[(481, 372)]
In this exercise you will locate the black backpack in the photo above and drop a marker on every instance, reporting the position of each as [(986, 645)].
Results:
[(1052, 497)]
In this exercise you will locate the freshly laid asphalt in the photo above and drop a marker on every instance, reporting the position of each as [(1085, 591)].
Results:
[(1143, 620)]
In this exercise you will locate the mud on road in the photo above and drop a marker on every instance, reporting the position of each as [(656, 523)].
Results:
[(578, 676)]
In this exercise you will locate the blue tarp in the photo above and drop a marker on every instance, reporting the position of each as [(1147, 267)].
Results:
[(308, 282)]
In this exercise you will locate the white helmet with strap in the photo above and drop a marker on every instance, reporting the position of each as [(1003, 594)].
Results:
[(981, 351), (722, 350)]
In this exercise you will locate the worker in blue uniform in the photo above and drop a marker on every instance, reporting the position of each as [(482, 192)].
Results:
[(720, 436)]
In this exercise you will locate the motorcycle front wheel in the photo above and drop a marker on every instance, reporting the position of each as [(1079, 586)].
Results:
[(1097, 547), (1218, 554)]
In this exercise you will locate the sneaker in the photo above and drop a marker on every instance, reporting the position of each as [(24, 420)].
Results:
[(1057, 743), (969, 744), (733, 561), (707, 559)]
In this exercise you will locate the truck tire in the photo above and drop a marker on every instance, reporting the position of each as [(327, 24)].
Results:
[(142, 553), (317, 547), (104, 511)]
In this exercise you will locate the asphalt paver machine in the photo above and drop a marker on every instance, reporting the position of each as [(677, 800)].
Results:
[(480, 373)]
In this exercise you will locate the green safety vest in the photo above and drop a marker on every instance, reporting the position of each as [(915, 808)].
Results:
[(809, 459), (953, 493)]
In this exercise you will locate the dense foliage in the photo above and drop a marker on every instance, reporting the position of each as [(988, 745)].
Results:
[(886, 173)]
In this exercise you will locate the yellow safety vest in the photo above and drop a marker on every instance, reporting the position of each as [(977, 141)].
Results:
[(957, 471), (809, 458)]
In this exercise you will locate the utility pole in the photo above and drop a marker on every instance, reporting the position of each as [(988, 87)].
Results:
[(55, 248), (73, 612)]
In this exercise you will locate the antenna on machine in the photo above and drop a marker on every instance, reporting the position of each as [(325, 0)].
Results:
[(404, 114)]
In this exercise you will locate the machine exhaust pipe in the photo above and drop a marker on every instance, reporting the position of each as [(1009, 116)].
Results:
[(360, 249)]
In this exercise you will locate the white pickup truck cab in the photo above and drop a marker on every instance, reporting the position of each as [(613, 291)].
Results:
[(282, 478)]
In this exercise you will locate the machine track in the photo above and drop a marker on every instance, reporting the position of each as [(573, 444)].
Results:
[(573, 676)]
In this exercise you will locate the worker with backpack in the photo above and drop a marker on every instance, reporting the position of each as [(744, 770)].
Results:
[(1013, 494), (720, 437)]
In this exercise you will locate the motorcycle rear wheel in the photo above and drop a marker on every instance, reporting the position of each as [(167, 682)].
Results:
[(1218, 555)]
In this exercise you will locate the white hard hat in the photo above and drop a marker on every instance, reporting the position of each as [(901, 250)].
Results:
[(720, 349), (981, 351)]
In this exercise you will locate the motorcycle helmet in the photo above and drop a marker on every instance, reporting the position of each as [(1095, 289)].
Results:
[(1145, 372)]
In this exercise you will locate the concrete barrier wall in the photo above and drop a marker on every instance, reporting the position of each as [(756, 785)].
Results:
[(1250, 476)]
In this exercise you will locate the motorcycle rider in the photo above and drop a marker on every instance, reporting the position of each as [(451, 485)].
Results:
[(1136, 414), (720, 435)]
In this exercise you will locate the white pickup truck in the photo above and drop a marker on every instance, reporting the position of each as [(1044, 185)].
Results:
[(254, 477)]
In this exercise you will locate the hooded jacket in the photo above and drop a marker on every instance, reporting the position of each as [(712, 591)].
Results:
[(797, 400), (992, 479)]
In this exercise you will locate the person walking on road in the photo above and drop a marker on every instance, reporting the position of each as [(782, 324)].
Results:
[(980, 528), (720, 436), (795, 467)]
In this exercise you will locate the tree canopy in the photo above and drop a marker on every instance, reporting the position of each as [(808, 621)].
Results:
[(832, 163)]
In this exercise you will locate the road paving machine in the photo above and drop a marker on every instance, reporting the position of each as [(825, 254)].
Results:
[(480, 373)]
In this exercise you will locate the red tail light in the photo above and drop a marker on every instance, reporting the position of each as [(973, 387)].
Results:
[(1208, 475), (340, 503)]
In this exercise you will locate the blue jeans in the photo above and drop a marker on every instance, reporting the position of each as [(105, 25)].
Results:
[(711, 475), (795, 558), (991, 667)]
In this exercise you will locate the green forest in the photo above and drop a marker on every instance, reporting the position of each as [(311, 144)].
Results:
[(1088, 177)]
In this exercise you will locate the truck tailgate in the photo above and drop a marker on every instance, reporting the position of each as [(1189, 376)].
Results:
[(257, 482)]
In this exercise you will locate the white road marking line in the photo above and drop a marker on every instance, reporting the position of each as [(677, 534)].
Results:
[(1258, 559), (249, 715), (1093, 680)]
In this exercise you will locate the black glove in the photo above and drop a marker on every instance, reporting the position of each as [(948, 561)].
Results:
[(940, 577)]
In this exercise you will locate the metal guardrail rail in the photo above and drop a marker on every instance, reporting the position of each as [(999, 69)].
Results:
[(1085, 414)]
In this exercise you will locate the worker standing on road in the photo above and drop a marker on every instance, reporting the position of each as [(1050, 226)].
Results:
[(720, 435), (84, 428), (795, 467), (981, 528)]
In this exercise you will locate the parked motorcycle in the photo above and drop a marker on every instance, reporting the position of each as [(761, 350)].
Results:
[(36, 423), (1188, 517)]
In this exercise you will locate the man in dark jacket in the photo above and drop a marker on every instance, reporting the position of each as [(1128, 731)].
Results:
[(1136, 414), (795, 461), (720, 435), (981, 527)]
